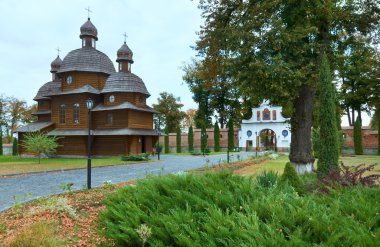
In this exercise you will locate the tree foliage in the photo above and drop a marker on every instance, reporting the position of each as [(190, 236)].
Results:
[(170, 112), (178, 140), (273, 49), (190, 139), (39, 143), (166, 143), (1, 142), (358, 142), (328, 153), (216, 137)]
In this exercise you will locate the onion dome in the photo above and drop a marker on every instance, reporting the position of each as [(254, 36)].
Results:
[(88, 29), (56, 64), (87, 59), (124, 53), (125, 82)]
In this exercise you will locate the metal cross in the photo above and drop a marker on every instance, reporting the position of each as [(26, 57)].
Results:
[(58, 50), (88, 11), (125, 37)]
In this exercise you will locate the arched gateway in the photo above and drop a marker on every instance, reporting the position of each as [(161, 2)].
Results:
[(267, 130)]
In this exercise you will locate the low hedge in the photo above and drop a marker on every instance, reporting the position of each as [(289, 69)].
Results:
[(135, 157)]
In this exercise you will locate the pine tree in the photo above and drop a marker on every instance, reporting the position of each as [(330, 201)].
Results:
[(231, 136), (328, 133), (178, 140), (166, 143), (378, 135), (358, 144), (190, 139), (216, 138), (15, 147), (203, 139), (290, 175)]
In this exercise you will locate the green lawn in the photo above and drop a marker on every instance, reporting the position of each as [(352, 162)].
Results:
[(13, 164), (279, 164)]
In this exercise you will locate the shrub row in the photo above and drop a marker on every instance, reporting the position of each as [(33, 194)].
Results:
[(221, 209), (135, 157)]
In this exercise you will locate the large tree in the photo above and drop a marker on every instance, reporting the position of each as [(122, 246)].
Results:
[(273, 49), (169, 108)]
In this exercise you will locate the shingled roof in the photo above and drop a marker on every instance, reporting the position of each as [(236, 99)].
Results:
[(85, 89), (125, 82), (87, 59), (125, 105), (32, 127), (49, 88), (88, 29)]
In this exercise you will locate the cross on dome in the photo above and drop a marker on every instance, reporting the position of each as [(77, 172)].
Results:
[(88, 12), (125, 37)]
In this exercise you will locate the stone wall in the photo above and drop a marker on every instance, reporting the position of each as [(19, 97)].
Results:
[(369, 140), (197, 140)]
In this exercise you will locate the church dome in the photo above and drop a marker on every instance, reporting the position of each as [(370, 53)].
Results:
[(124, 53), (56, 64), (88, 29), (125, 82), (87, 59)]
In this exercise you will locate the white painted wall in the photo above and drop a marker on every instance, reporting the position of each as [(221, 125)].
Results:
[(255, 126)]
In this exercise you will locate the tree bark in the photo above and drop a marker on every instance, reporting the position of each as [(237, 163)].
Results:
[(301, 155), (349, 116)]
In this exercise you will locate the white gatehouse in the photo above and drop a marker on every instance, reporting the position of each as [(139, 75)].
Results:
[(266, 130)]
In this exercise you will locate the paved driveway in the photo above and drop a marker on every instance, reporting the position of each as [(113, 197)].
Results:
[(31, 186)]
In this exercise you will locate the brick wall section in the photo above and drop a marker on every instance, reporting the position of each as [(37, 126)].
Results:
[(197, 139), (369, 137)]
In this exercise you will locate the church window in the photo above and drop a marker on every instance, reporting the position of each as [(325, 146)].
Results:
[(62, 114), (274, 113), (76, 113), (109, 118), (266, 114), (69, 80), (258, 116), (112, 99)]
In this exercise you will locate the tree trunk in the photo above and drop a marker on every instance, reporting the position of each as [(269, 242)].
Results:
[(349, 115), (353, 116), (301, 155)]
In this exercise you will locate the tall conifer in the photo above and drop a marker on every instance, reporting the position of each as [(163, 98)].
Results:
[(178, 140), (203, 139), (1, 141), (231, 136), (358, 143), (15, 147), (166, 143), (190, 139), (216, 137), (328, 150)]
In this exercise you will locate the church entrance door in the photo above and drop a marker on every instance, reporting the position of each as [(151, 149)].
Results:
[(268, 140)]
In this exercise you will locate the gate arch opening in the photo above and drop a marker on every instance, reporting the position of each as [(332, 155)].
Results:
[(267, 140)]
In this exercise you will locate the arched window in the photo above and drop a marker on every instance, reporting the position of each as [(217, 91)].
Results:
[(76, 113), (274, 115), (258, 116), (62, 114), (266, 114)]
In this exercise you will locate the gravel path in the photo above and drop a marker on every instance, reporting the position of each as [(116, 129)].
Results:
[(31, 186)]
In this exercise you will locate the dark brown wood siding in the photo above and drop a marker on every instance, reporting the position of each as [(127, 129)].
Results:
[(120, 119), (72, 145), (97, 80), (140, 119), (109, 145)]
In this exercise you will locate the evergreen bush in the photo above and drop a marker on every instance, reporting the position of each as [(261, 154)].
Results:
[(190, 139), (267, 179), (328, 150), (15, 147), (291, 177), (178, 140), (1, 141), (231, 136), (316, 142), (358, 143), (378, 135), (166, 143), (135, 157), (216, 137), (220, 209)]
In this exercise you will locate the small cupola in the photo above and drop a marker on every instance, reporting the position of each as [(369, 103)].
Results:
[(55, 65), (124, 58), (88, 34)]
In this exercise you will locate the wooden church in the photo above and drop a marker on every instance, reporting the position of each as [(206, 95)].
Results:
[(120, 121)]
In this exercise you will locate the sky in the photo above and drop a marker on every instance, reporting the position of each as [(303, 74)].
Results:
[(160, 34)]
